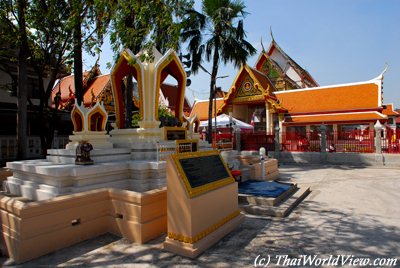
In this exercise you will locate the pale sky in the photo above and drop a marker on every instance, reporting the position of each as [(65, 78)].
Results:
[(336, 41)]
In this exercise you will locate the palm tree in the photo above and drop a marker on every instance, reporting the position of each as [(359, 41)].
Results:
[(217, 33)]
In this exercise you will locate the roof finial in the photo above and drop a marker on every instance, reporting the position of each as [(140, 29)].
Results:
[(384, 70), (270, 31), (262, 45), (381, 76)]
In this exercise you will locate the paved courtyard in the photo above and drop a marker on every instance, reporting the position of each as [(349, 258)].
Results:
[(351, 211)]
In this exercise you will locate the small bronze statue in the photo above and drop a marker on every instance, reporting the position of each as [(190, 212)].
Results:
[(83, 153)]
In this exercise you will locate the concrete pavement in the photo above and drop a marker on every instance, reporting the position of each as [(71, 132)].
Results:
[(351, 210)]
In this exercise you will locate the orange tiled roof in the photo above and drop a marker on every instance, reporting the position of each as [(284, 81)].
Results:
[(67, 87), (342, 117), (64, 84), (389, 110), (97, 86), (170, 92), (201, 108), (331, 98)]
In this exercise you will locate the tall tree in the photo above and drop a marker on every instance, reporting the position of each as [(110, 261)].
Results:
[(141, 24), (44, 36), (77, 7), (218, 35), (50, 46), (22, 114), (89, 20), (62, 29), (13, 19), (8, 31)]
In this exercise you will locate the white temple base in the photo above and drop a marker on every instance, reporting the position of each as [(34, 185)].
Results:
[(98, 139), (42, 179)]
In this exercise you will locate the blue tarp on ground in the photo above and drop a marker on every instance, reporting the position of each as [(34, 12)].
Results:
[(263, 188)]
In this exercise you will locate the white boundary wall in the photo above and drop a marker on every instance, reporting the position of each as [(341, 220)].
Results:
[(352, 159)]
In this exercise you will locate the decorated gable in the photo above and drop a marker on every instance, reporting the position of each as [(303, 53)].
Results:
[(271, 70), (247, 88), (106, 97), (250, 86)]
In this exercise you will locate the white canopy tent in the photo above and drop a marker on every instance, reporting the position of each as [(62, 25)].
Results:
[(223, 121)]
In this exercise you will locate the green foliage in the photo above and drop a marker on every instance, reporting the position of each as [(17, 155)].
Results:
[(9, 39), (131, 61), (96, 16), (140, 25), (217, 30), (51, 35), (216, 34), (135, 119), (163, 112)]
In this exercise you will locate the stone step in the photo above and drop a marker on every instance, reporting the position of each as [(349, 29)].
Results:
[(281, 210), (267, 201)]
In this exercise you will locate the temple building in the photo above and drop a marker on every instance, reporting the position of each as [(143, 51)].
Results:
[(278, 92)]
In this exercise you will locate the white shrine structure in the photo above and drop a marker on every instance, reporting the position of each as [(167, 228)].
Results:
[(126, 158)]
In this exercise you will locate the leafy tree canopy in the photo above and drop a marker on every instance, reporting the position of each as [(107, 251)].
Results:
[(141, 24)]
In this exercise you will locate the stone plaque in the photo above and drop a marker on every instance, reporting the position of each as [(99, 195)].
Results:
[(202, 171), (174, 133)]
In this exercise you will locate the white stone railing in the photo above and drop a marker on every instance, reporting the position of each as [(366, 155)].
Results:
[(164, 149), (171, 147)]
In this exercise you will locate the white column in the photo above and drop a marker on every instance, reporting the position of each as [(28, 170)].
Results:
[(267, 119), (281, 127)]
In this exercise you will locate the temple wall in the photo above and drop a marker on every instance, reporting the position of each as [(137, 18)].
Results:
[(351, 159)]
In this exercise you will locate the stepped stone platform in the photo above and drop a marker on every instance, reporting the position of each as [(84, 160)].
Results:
[(55, 203), (249, 163), (279, 206), (58, 175)]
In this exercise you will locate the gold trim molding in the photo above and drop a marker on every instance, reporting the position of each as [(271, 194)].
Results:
[(212, 228)]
